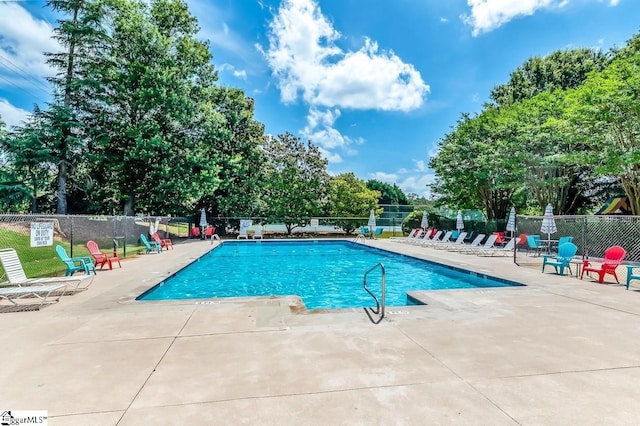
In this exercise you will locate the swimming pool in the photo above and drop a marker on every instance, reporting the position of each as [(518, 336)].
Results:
[(325, 274)]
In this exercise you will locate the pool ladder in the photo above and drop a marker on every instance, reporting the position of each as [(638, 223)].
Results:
[(379, 304), (360, 239)]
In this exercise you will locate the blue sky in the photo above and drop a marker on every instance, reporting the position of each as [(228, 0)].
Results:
[(374, 83)]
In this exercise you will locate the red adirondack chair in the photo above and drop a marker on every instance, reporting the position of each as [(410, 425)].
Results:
[(613, 257), (100, 258), (165, 243)]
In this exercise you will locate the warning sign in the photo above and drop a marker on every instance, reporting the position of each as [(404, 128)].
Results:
[(41, 234)]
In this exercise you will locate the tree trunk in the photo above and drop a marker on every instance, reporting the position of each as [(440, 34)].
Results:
[(62, 188), (129, 205)]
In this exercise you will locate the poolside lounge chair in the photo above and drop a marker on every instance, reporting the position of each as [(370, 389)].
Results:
[(491, 240), (150, 246), (497, 251), (426, 238), (257, 233), (473, 244), (434, 241), (14, 295), (613, 257), (100, 258), (75, 264), (195, 232), (242, 234), (165, 243), (566, 251), (17, 277), (452, 244), (631, 275)]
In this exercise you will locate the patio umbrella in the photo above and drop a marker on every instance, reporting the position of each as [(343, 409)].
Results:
[(459, 221), (548, 222), (203, 220), (425, 222), (511, 222), (372, 222)]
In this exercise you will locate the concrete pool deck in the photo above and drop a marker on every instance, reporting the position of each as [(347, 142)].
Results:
[(558, 351)]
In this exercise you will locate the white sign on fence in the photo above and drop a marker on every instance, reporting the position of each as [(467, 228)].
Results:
[(245, 224), (41, 234), (314, 222)]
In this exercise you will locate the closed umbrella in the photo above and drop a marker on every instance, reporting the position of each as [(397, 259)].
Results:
[(203, 221), (511, 222), (372, 222), (425, 222), (459, 221), (548, 223)]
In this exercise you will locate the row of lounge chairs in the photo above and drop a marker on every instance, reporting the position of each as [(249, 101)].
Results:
[(436, 239)]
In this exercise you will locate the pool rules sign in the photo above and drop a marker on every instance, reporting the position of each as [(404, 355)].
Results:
[(41, 234)]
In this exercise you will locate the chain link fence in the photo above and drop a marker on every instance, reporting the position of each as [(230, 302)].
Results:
[(592, 234), (112, 233)]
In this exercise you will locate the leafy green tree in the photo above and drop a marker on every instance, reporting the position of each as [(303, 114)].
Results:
[(349, 197), (234, 136), (389, 194), (79, 31), (606, 115), (562, 69), (476, 165), (148, 140), (30, 151), (295, 181)]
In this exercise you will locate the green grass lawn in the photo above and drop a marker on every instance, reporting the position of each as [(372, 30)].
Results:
[(43, 261)]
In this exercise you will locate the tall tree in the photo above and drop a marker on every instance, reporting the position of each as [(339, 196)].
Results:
[(80, 33), (349, 197), (295, 181), (476, 165), (389, 194), (148, 133), (605, 111), (562, 69)]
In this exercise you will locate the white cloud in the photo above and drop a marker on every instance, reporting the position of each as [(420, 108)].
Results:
[(240, 74), (417, 184), (305, 59), (384, 177), (309, 65), (11, 115), (23, 38), (487, 15), (320, 131), (444, 20)]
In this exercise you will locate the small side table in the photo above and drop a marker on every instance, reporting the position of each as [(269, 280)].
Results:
[(579, 264)]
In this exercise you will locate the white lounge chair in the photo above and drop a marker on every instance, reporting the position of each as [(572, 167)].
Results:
[(497, 251), (258, 233), (242, 234), (16, 276), (40, 292), (459, 242), (414, 234), (475, 243), (491, 240), (426, 238), (435, 240)]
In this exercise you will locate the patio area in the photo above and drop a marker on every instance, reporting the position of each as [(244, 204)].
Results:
[(558, 351)]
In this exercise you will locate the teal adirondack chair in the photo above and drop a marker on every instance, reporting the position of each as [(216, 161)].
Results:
[(75, 264), (150, 245), (566, 251)]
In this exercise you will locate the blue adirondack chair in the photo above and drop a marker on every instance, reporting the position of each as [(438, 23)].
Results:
[(75, 264), (533, 241), (150, 245), (631, 275), (566, 251)]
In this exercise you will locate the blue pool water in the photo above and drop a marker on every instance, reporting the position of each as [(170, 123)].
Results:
[(325, 274)]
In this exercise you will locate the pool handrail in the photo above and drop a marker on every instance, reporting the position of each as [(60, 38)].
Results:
[(379, 305)]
